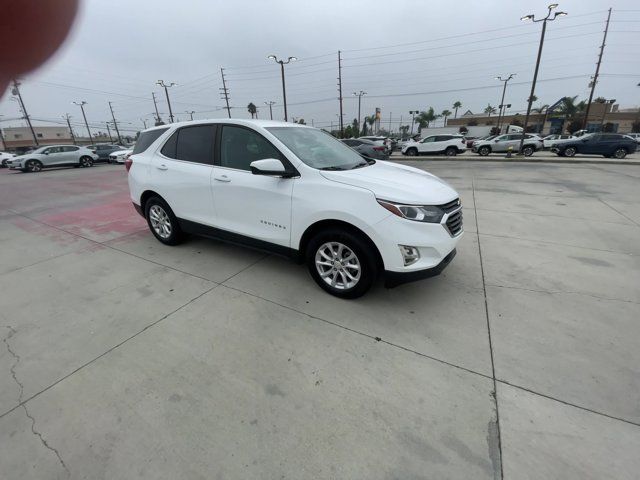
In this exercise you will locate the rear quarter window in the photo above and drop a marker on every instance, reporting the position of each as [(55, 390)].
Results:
[(146, 139)]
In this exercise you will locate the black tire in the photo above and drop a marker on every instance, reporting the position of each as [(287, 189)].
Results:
[(528, 150), (412, 152), (175, 235), (451, 151), (620, 153), (484, 151), (569, 152), (606, 156), (33, 166), (365, 256), (4, 163), (86, 162)]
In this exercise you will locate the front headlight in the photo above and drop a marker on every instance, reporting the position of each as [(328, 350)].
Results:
[(417, 213)]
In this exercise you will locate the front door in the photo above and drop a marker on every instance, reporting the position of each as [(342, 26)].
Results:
[(427, 145), (255, 206), (54, 156)]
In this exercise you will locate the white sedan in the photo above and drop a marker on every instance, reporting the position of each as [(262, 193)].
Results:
[(4, 156), (551, 140), (119, 156)]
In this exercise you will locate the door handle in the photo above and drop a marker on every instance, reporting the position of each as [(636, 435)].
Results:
[(222, 178), (162, 166)]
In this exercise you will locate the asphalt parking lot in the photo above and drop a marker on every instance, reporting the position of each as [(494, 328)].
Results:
[(124, 358)]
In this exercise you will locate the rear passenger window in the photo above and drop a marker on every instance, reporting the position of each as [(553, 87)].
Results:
[(191, 144), (146, 139), (241, 146)]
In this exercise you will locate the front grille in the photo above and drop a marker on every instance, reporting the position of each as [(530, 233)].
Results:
[(454, 223), (451, 206)]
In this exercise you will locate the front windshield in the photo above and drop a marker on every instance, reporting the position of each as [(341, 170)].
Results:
[(318, 149)]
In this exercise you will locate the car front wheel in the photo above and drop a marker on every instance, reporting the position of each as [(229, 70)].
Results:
[(569, 151), (162, 222), (412, 152), (620, 153), (33, 166), (86, 161), (484, 151), (342, 263)]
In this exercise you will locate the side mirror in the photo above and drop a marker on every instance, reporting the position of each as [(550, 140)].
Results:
[(271, 167), (496, 140), (46, 153)]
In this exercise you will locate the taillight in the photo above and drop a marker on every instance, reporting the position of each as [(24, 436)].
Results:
[(379, 149), (127, 163)]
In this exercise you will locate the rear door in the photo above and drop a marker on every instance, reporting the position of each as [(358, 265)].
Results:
[(181, 173), (255, 206)]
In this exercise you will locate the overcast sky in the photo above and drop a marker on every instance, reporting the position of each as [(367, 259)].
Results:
[(405, 54)]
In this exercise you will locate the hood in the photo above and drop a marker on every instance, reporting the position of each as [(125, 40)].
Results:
[(398, 183)]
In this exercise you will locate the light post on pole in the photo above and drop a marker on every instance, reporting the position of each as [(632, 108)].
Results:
[(504, 90), (86, 124), (166, 92), (270, 103), (413, 117), (190, 112), (359, 95), (544, 21), (604, 111), (284, 90)]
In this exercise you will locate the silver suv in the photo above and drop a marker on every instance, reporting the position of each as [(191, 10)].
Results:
[(53, 156), (511, 141)]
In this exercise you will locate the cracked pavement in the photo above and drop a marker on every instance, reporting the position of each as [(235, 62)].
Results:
[(123, 358)]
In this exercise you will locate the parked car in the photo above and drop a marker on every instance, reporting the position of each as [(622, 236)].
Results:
[(53, 156), (4, 156), (119, 156), (450, 145), (635, 136), (296, 191), (503, 143), (605, 144), (367, 148), (549, 140), (104, 150), (378, 140), (480, 139), (469, 141)]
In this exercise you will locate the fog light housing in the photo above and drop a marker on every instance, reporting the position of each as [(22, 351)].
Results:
[(410, 255)]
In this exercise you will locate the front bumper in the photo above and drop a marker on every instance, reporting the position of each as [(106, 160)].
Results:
[(393, 279)]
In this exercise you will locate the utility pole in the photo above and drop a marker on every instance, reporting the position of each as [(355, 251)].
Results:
[(155, 104), (389, 122), (340, 93), (144, 122), (86, 124), (270, 103), (413, 117), (284, 90), (16, 92), (190, 112), (535, 73), (504, 90), (225, 92), (359, 95), (109, 132), (4, 145), (595, 77), (67, 117), (166, 92), (115, 125)]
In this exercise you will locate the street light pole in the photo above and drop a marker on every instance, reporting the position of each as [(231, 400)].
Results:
[(359, 95), (190, 112), (109, 132), (86, 124), (115, 125), (16, 92), (604, 113), (413, 117), (67, 117), (166, 92), (504, 90), (270, 103), (284, 90), (535, 73)]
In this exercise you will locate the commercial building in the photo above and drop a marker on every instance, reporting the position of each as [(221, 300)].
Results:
[(20, 138)]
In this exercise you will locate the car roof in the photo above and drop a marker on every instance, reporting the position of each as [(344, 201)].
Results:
[(232, 121)]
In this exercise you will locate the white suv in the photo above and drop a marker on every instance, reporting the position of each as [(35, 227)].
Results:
[(450, 145), (296, 191), (511, 141)]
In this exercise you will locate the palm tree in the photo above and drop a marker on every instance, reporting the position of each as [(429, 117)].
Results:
[(445, 113), (489, 110), (456, 105), (371, 120), (251, 108), (424, 118)]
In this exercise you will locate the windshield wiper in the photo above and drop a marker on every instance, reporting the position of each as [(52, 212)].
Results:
[(331, 168), (363, 164)]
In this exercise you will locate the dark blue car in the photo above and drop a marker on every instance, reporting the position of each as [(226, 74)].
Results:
[(605, 144)]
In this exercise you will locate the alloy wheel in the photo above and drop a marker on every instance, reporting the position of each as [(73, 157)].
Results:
[(337, 265), (160, 221)]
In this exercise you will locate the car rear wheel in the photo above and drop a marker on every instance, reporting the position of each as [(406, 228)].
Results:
[(33, 166), (620, 153), (86, 161), (451, 151), (412, 152), (528, 150), (570, 151), (342, 263), (484, 151), (162, 222)]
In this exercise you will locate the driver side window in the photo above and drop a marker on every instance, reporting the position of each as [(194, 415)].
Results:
[(241, 146), (429, 140)]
